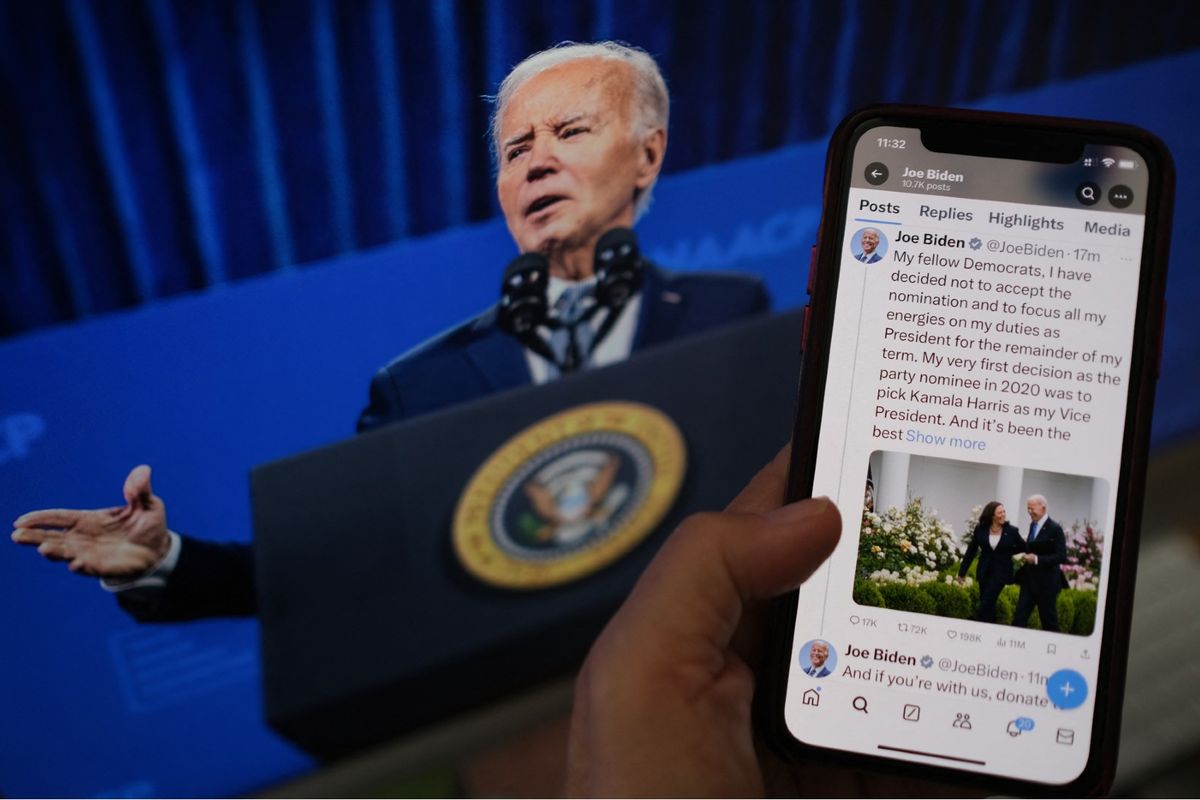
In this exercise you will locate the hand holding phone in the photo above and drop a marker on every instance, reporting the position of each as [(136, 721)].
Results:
[(662, 704), (976, 392)]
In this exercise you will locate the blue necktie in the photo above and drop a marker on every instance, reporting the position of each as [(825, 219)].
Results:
[(572, 342), (1032, 531)]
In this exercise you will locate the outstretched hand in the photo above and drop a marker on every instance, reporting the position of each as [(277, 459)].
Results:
[(119, 542)]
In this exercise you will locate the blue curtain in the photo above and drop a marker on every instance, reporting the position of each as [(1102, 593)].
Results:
[(154, 147)]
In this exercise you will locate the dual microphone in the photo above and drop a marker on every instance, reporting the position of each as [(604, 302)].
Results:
[(524, 310)]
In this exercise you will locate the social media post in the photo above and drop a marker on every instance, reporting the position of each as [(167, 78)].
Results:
[(975, 340), (956, 563), (968, 712), (978, 378), (866, 670), (1001, 544)]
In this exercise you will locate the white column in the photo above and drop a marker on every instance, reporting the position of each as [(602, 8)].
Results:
[(1008, 492), (1099, 512), (891, 487)]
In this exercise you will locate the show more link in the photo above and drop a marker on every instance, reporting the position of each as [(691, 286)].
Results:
[(999, 544)]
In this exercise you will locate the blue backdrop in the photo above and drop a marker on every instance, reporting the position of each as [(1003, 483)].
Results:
[(154, 147), (208, 384)]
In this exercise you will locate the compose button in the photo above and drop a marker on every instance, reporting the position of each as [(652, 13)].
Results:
[(1066, 689)]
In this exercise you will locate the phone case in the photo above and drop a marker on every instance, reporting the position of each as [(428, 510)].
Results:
[(1148, 328)]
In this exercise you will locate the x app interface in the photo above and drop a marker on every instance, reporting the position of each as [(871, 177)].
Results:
[(971, 437)]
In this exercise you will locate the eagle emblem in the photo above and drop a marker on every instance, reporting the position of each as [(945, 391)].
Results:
[(569, 495)]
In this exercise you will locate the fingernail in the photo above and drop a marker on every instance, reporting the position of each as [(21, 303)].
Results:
[(801, 511)]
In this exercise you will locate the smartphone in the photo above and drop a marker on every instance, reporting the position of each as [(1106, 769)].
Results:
[(981, 349)]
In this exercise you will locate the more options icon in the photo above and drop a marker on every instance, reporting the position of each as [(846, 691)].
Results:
[(1120, 196)]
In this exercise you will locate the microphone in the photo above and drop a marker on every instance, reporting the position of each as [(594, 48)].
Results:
[(619, 268), (523, 305), (620, 272), (524, 309)]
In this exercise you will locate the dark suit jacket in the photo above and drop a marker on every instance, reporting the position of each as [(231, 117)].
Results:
[(476, 358), (467, 362), (995, 565), (1050, 547)]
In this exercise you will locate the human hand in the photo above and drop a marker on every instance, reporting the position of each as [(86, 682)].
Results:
[(662, 704), (119, 542), (1030, 558)]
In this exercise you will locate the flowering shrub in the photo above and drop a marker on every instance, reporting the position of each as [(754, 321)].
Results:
[(908, 560), (908, 545), (969, 525), (1085, 546)]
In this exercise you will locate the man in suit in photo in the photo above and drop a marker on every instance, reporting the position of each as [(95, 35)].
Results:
[(818, 654), (869, 242), (1041, 579), (579, 134)]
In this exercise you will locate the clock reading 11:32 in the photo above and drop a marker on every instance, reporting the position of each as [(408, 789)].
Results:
[(893, 144)]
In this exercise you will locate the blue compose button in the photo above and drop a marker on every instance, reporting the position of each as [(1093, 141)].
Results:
[(1066, 689)]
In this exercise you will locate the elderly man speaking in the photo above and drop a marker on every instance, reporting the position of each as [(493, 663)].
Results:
[(580, 132)]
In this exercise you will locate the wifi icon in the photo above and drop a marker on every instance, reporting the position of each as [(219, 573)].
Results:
[(1108, 162)]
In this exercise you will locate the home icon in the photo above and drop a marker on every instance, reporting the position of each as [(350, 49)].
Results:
[(811, 698)]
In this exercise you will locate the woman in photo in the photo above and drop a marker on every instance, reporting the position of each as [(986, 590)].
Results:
[(996, 540)]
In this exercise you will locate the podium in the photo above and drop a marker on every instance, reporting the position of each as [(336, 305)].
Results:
[(372, 623)]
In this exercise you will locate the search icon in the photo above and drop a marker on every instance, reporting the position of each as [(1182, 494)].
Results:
[(860, 704), (1088, 193)]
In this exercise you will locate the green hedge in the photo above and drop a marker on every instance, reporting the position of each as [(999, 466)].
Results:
[(1076, 607), (903, 597), (952, 600), (1085, 612), (1065, 606), (1006, 604), (1071, 603), (867, 593)]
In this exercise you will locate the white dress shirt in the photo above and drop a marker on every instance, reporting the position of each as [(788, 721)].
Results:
[(156, 576), (615, 347)]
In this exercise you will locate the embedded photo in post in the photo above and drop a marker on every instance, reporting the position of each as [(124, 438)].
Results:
[(987, 542)]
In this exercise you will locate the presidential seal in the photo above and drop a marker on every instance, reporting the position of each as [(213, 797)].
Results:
[(569, 495)]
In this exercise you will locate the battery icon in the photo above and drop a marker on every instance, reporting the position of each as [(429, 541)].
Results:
[(1126, 163)]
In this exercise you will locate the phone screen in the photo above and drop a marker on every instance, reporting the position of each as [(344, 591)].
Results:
[(971, 436)]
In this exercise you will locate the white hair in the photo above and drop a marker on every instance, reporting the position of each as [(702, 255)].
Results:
[(1040, 500), (650, 100)]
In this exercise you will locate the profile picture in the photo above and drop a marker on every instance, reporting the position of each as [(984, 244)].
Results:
[(869, 245), (818, 659)]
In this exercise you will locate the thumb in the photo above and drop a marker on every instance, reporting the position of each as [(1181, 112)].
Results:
[(698, 586), (137, 487)]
